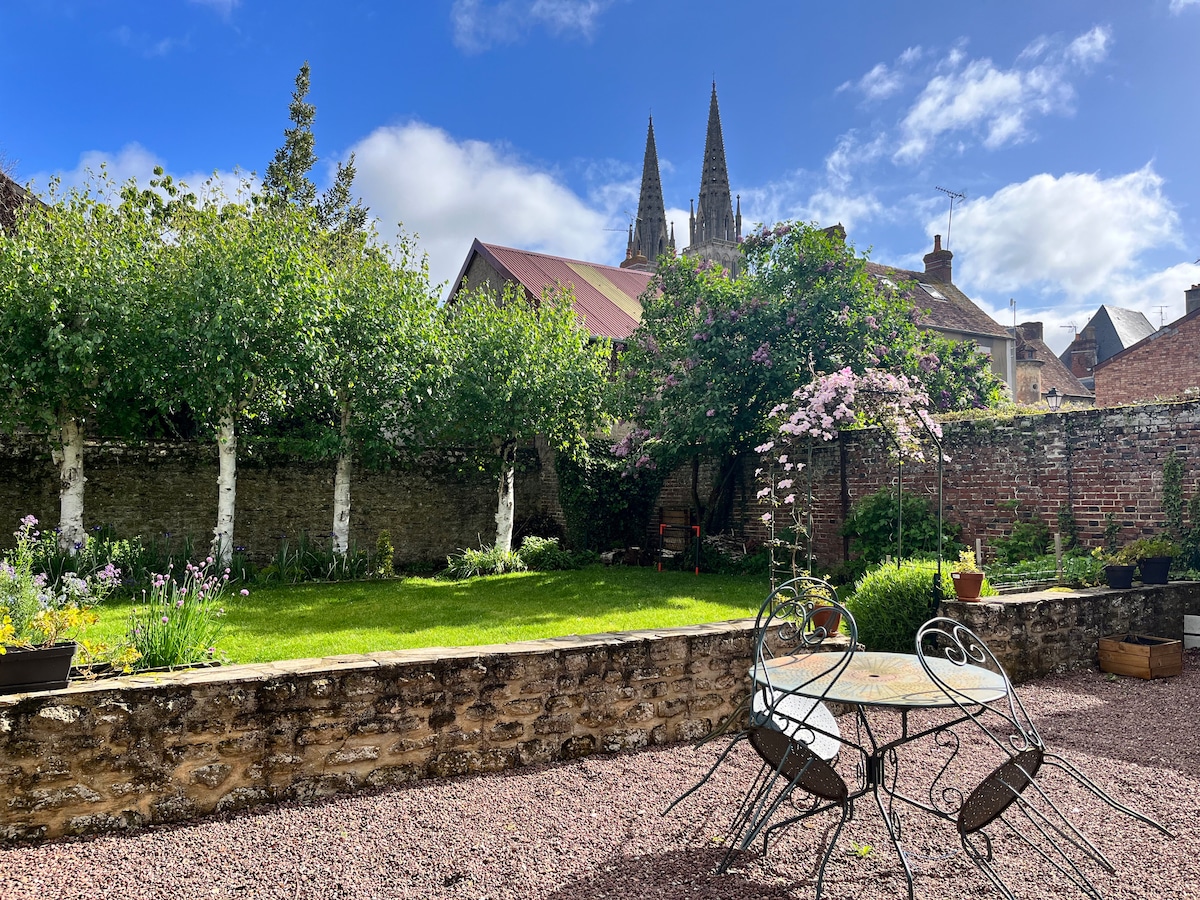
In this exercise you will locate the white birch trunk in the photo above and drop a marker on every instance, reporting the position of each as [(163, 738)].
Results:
[(504, 514), (222, 545), (341, 490), (69, 456)]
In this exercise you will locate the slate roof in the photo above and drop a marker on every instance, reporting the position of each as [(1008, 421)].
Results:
[(1115, 330), (607, 298), (944, 306)]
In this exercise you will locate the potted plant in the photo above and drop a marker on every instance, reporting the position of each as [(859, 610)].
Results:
[(967, 577), (39, 621), (1118, 568), (1153, 556)]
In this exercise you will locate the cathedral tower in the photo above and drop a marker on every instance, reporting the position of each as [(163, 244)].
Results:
[(648, 236), (715, 230)]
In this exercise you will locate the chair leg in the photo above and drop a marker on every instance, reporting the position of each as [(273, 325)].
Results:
[(983, 862), (829, 848), (1059, 763), (704, 779)]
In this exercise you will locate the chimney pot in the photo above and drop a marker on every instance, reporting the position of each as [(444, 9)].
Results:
[(938, 263), (1191, 299)]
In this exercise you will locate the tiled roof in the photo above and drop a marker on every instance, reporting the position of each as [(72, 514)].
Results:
[(607, 298), (1054, 374), (944, 307)]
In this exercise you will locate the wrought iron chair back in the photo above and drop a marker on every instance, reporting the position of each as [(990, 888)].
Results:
[(788, 729), (1011, 794)]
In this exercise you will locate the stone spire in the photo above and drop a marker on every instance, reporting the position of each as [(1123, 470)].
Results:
[(715, 231), (649, 238)]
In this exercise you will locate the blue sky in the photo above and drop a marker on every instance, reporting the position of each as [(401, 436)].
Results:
[(1071, 126)]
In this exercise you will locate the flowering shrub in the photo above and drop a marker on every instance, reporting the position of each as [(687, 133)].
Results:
[(818, 411), (178, 622), (38, 613)]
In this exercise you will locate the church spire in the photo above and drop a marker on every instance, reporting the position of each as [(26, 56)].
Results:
[(716, 231), (650, 239)]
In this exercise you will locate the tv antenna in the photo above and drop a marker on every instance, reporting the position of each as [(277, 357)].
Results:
[(953, 195), (1013, 303), (1074, 330), (630, 216), (1161, 318)]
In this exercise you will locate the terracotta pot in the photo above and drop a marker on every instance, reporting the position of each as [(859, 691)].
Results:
[(1154, 569), (829, 619), (967, 585), (1119, 577), (39, 669)]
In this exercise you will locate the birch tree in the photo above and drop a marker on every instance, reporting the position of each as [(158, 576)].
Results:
[(71, 273), (237, 321), (518, 370), (378, 348)]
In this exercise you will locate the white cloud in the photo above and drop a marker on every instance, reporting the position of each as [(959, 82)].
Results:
[(977, 97), (450, 192), (480, 24), (1062, 246), (135, 161), (1178, 6), (1072, 234), (879, 83), (224, 7)]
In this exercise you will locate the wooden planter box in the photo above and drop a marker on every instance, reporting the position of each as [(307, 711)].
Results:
[(1141, 655)]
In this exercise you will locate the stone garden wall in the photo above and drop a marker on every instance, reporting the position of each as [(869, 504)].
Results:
[(150, 749), (159, 489)]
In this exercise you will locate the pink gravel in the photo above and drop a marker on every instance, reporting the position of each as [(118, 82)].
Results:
[(593, 829)]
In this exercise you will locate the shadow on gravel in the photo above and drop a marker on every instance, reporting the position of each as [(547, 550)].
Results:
[(675, 875)]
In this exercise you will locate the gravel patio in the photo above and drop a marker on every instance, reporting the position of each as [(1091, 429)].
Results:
[(592, 829)]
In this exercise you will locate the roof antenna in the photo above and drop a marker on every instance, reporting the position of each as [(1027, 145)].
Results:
[(1074, 330), (1161, 319), (1011, 302), (953, 195)]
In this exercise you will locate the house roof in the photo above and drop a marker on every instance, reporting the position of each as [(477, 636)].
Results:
[(1114, 329), (1153, 335), (607, 298), (944, 307)]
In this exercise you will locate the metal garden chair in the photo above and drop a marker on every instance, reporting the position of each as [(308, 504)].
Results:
[(794, 733), (1010, 796)]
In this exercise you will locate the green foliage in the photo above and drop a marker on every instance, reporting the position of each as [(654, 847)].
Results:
[(1080, 569), (890, 603), (957, 375), (287, 175), (517, 370), (1149, 548), (385, 555), (38, 612), (1190, 545), (545, 555), (1068, 527), (605, 505), (485, 561), (1112, 533), (178, 622), (309, 560), (1172, 493), (872, 527), (1026, 541)]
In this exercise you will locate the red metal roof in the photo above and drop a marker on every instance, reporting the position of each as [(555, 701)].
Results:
[(607, 298)]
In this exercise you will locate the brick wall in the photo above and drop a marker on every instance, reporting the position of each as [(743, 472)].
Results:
[(1166, 364), (158, 488), (1095, 461)]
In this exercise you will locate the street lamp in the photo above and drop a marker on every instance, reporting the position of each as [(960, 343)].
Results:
[(1053, 399)]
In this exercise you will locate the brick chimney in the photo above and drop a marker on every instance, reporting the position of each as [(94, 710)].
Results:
[(1083, 353), (937, 263), (1030, 331), (1191, 299)]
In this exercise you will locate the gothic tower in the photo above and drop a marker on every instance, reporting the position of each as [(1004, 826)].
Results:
[(648, 236), (715, 230)]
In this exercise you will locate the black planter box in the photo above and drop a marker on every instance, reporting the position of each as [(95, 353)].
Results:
[(39, 669)]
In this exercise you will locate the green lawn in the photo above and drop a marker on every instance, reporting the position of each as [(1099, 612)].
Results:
[(297, 622)]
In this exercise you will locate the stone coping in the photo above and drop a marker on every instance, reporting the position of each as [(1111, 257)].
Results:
[(350, 662)]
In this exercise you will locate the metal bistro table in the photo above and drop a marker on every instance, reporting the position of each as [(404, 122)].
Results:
[(890, 680)]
